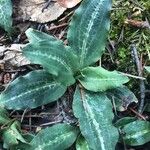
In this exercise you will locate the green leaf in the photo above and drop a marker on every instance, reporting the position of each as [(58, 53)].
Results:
[(94, 111), (57, 137), (122, 97), (147, 68), (12, 135), (82, 144), (5, 15), (136, 133), (29, 137), (56, 58), (124, 121), (89, 29), (98, 79), (24, 146), (4, 116), (35, 36), (21, 146), (32, 90)]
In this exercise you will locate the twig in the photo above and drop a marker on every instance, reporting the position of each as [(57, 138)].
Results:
[(59, 26), (24, 112), (29, 126), (30, 122), (139, 69), (50, 123), (132, 76), (138, 114), (65, 17), (27, 116), (121, 36), (13, 71)]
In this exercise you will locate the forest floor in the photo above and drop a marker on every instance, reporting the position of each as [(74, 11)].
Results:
[(129, 35)]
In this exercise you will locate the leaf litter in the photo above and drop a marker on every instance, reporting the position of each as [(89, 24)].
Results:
[(42, 11)]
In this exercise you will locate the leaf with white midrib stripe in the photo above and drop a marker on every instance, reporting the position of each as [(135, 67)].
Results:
[(51, 53), (32, 90), (57, 137), (136, 133), (98, 79), (88, 30), (6, 15), (94, 111), (35, 36)]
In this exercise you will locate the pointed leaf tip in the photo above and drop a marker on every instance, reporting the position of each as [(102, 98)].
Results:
[(89, 29), (53, 55), (136, 133), (32, 90), (98, 79), (57, 137)]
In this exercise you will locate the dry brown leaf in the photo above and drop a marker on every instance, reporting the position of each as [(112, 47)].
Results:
[(32, 10), (138, 23), (13, 55), (68, 3)]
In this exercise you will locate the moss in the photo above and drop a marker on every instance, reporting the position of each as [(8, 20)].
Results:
[(124, 34)]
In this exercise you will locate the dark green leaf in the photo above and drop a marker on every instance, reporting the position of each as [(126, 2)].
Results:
[(21, 146), (98, 79), (123, 121), (81, 144), (4, 116), (32, 90), (122, 97), (12, 135), (5, 15), (147, 68), (57, 137), (136, 133), (24, 146), (88, 30), (29, 137), (94, 111), (35, 36), (56, 58)]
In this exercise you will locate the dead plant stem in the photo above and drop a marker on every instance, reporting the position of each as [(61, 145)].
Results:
[(139, 70)]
